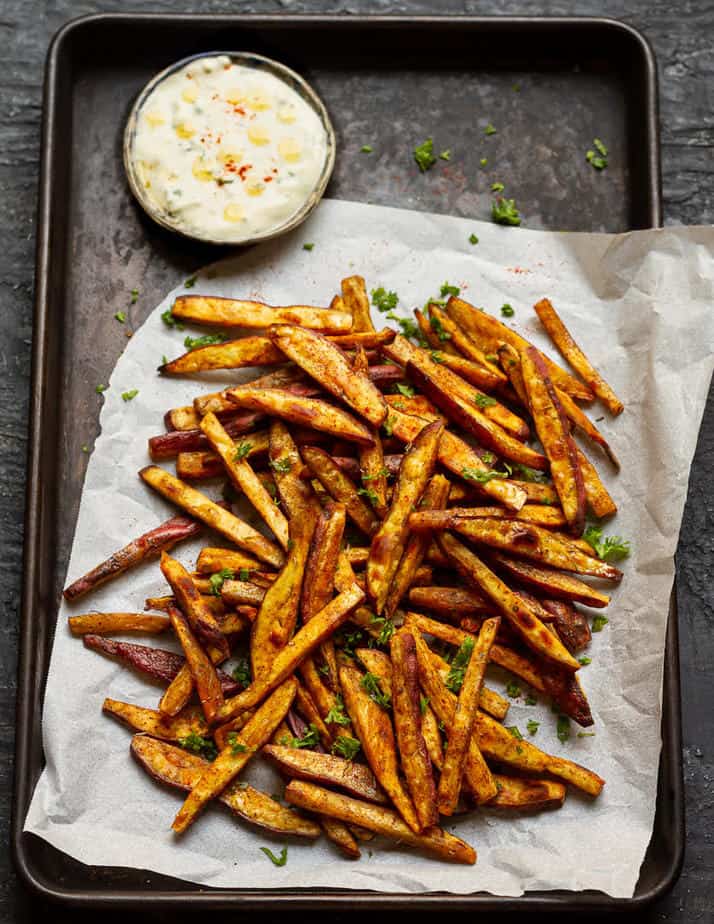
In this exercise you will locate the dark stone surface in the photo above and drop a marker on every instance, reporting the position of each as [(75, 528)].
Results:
[(683, 38)]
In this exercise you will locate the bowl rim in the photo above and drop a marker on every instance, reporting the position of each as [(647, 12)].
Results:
[(247, 59)]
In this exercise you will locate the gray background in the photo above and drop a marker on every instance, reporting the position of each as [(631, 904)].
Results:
[(682, 34)]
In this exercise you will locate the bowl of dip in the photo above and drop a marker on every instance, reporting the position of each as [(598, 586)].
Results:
[(228, 148)]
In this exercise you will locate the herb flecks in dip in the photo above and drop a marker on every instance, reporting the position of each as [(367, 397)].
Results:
[(225, 151)]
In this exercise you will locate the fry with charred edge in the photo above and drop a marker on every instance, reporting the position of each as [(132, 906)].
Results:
[(583, 423), (372, 469), (530, 628), (374, 730), (120, 623), (340, 487), (463, 343), (234, 354), (295, 494), (570, 624), (378, 819), (517, 793), (552, 583), (305, 640), (322, 560), (487, 332), (198, 466), (435, 497), (529, 541), (201, 507), (354, 296), (459, 733), (236, 754), (230, 312), (596, 494), (408, 727), (306, 412), (277, 615), (450, 601), (211, 560), (554, 434), (153, 723), (200, 617), (458, 457), (244, 478), (169, 445), (356, 779), (178, 768), (390, 539), (497, 743), (427, 520), (476, 774), (327, 364), (203, 672), (571, 353), (157, 540), (510, 360)]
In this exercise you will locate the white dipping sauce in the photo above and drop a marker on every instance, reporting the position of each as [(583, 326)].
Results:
[(225, 151)]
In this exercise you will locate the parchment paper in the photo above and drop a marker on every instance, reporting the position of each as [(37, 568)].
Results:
[(641, 305)]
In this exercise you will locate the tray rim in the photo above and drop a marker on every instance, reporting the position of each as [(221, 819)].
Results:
[(31, 680)]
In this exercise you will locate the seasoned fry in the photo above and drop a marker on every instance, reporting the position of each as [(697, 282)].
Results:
[(463, 343), (427, 520), (198, 466), (153, 723), (552, 583), (157, 540), (596, 494), (374, 730), (537, 492), (583, 423), (236, 754), (306, 412), (356, 779), (324, 695), (372, 471), (170, 445), (201, 667), (200, 617), (211, 560), (570, 624), (378, 819), (408, 727), (178, 768), (572, 354), (341, 837), (340, 487), (295, 494), (518, 793), (459, 733), (322, 561), (237, 593), (328, 365), (224, 522), (230, 312), (234, 354), (120, 623), (554, 433), (354, 296), (390, 539), (450, 601), (430, 731), (306, 707)]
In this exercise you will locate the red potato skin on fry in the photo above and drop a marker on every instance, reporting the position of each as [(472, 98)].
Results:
[(169, 445)]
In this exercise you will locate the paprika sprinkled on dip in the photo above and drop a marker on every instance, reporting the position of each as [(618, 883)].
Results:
[(228, 148)]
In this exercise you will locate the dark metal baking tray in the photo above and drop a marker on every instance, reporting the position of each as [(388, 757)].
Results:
[(548, 85)]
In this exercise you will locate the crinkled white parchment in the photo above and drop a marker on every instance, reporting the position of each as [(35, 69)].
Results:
[(641, 305)]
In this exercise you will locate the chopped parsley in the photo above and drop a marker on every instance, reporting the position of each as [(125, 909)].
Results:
[(473, 239), (190, 282), (483, 161), (529, 474), (216, 580), (281, 466), (383, 300), (370, 684), (406, 390), (386, 631), (346, 746), (484, 401), (445, 155), (197, 744), (129, 395), (585, 661), (277, 861), (370, 494), (244, 574), (512, 689), (310, 739), (120, 317), (457, 671), (242, 451), (474, 474), (586, 734), (100, 389), (194, 343), (497, 187), (515, 731), (170, 321), (531, 700), (366, 149), (610, 548), (424, 155), (241, 673), (388, 426), (489, 130), (505, 212), (488, 457), (447, 289), (134, 296), (349, 641), (237, 747), (382, 473), (423, 704), (532, 726), (507, 311), (563, 728), (438, 328), (599, 622), (410, 329), (336, 714), (85, 448), (308, 246), (597, 160)]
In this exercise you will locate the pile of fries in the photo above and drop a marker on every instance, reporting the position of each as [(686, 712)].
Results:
[(412, 536)]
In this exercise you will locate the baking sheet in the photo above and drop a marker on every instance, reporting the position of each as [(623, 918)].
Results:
[(640, 303)]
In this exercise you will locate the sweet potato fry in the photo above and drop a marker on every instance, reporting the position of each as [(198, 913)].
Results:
[(518, 793), (200, 617), (584, 425), (371, 470), (490, 701), (572, 354), (230, 312), (459, 732), (530, 628), (408, 727), (341, 488), (153, 723), (341, 837), (487, 332), (224, 522), (390, 539), (427, 520), (199, 466), (233, 354), (150, 544), (305, 706), (431, 734), (237, 593), (327, 364), (171, 445), (356, 779), (305, 640), (354, 296), (378, 819), (119, 623), (596, 494), (554, 433), (244, 478), (178, 768), (434, 498), (374, 730), (306, 412), (236, 754), (529, 541), (537, 492), (570, 624), (288, 377), (450, 601), (211, 560), (463, 343), (322, 561), (324, 695), (286, 464), (367, 340), (476, 773), (552, 583), (203, 672)]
